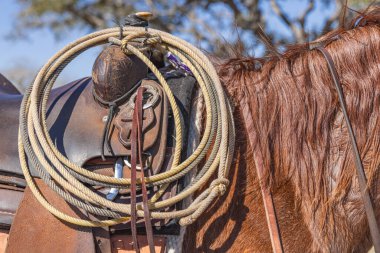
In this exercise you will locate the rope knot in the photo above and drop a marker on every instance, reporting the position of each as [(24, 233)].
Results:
[(220, 185), (144, 41)]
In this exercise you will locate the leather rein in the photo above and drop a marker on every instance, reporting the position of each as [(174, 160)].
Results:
[(269, 206)]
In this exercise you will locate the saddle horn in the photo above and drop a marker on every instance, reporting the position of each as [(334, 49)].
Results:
[(114, 73)]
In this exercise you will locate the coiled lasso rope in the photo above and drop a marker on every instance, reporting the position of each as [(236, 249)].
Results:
[(68, 179)]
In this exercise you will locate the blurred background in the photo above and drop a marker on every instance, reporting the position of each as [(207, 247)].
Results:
[(31, 31)]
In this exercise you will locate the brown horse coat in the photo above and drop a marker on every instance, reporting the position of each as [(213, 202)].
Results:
[(305, 144)]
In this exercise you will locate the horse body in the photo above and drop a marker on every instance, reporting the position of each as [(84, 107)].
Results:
[(301, 134)]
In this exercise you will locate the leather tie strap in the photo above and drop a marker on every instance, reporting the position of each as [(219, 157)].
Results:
[(134, 147), (269, 207), (372, 223), (136, 152)]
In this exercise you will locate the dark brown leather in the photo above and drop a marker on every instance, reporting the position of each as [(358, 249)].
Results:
[(35, 229), (114, 73), (136, 148)]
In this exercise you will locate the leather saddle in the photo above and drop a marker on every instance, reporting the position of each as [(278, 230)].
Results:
[(76, 122)]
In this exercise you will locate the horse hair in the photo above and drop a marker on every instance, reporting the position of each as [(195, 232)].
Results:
[(300, 129)]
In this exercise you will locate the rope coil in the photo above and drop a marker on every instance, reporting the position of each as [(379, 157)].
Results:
[(68, 179)]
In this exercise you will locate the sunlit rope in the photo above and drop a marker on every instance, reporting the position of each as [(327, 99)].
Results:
[(67, 178)]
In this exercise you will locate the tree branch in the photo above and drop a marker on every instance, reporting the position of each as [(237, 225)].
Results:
[(91, 20), (306, 13), (297, 32), (334, 17)]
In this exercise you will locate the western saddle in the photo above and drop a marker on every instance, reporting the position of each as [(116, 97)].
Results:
[(76, 122), (101, 164)]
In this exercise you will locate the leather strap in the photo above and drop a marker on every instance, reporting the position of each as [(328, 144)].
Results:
[(269, 207), (136, 152), (134, 147), (373, 227), (148, 224)]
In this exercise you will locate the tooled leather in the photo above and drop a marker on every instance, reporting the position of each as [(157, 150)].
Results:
[(152, 121), (124, 124)]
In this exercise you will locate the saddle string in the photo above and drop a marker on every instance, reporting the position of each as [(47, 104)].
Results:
[(269, 206), (105, 136), (368, 206), (136, 148), (71, 176)]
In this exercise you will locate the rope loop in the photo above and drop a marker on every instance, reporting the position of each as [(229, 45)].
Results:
[(73, 183)]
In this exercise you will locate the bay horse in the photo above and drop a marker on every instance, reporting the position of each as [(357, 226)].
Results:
[(305, 145)]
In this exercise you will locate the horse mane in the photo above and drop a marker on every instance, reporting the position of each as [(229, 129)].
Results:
[(296, 113)]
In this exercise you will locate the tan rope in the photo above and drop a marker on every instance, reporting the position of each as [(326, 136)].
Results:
[(58, 166)]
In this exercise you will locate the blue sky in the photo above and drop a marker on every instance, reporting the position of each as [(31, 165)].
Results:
[(41, 44)]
